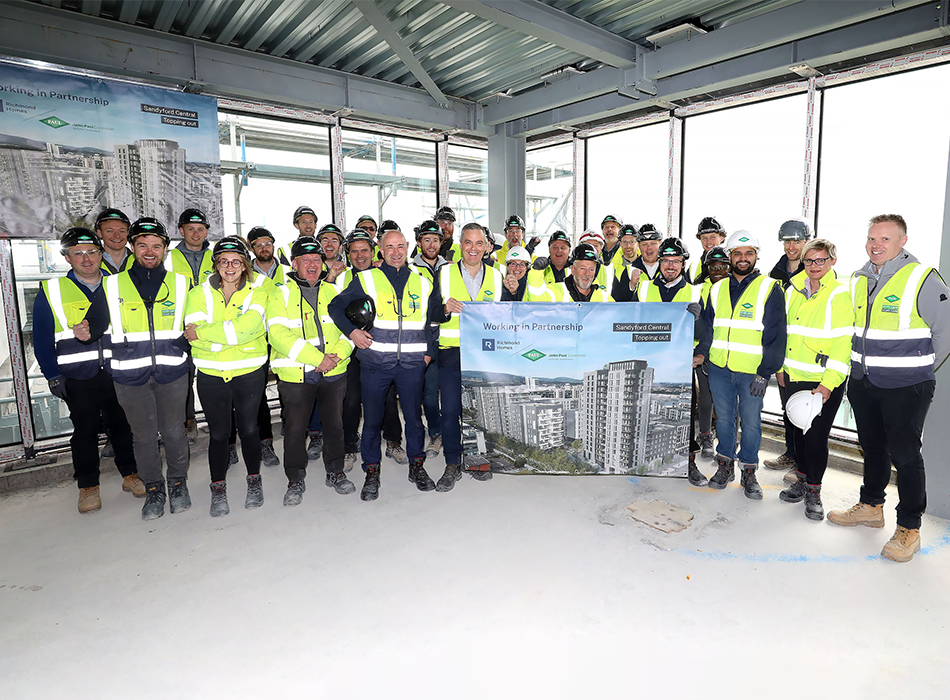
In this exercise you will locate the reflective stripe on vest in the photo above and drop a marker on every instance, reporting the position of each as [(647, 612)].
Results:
[(397, 335), (805, 342), (451, 285), (737, 340), (79, 358), (648, 291)]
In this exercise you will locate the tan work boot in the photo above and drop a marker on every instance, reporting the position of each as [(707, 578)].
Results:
[(89, 500), (858, 514), (134, 485), (792, 477), (903, 545), (780, 462)]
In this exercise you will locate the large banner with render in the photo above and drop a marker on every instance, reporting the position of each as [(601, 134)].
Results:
[(597, 388), (72, 145)]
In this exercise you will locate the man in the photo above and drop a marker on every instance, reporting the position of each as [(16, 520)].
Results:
[(112, 226), (451, 251), (395, 353), (710, 234), (554, 268), (744, 340), (310, 356), (605, 273), (70, 316), (648, 264), (368, 224), (360, 248), (332, 240), (610, 228), (581, 284), (470, 279), (150, 364), (514, 235), (305, 221), (516, 279), (901, 336), (629, 249), (793, 234)]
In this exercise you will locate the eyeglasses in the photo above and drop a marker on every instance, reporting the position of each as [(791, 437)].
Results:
[(231, 263), (816, 261), (86, 254), (258, 245)]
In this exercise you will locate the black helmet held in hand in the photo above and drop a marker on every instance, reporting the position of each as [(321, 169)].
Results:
[(361, 313)]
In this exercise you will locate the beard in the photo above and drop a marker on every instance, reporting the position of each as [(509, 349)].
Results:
[(266, 257), (743, 267)]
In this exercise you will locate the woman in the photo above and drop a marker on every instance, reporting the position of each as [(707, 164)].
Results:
[(225, 326), (817, 359)]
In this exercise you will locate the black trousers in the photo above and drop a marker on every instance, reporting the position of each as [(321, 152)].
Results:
[(299, 400), (353, 409), (890, 424), (811, 448), (218, 397), (86, 399)]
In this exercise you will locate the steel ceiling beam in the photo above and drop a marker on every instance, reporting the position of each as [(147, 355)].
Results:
[(129, 11)]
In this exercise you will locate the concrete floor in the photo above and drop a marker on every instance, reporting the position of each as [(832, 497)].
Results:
[(527, 587)]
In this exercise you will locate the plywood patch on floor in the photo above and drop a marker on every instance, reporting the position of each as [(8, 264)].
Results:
[(659, 515)]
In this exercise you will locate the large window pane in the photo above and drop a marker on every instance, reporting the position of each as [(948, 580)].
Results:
[(877, 157), (468, 183), (627, 176), (550, 190), (745, 166)]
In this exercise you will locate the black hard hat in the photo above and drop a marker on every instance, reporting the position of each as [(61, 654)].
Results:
[(148, 226), (794, 230), (628, 230), (259, 232), (193, 216), (230, 244), (358, 234), (112, 215), (648, 232), (717, 254), (331, 228), (79, 236), (585, 251), (673, 247), (558, 236), (426, 227), (610, 219), (709, 225), (445, 213), (306, 245), (300, 211), (366, 217), (514, 221), (387, 225), (361, 313)]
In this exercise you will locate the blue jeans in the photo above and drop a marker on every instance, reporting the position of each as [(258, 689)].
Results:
[(375, 383), (730, 391), (450, 384), (430, 399)]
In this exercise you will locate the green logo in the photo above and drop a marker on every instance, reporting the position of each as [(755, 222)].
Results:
[(892, 298), (747, 305), (54, 122), (488, 293), (743, 240), (413, 296), (168, 303), (533, 355)]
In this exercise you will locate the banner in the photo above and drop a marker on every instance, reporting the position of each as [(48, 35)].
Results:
[(72, 145), (603, 388)]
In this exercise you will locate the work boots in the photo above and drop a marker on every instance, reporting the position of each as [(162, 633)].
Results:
[(780, 462), (794, 493), (750, 486), (452, 473), (695, 477), (395, 450), (154, 506), (133, 484), (255, 492), (370, 491), (191, 432), (903, 545), (706, 445), (268, 456), (179, 500), (89, 500), (339, 483), (419, 476), (814, 510), (315, 448), (294, 494), (858, 514), (725, 473), (219, 499)]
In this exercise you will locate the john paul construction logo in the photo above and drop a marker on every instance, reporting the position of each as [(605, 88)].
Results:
[(533, 355), (54, 122)]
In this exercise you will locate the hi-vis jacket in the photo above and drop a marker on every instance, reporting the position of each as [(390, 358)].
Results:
[(821, 325), (232, 339), (146, 338), (737, 338), (69, 305), (647, 290), (452, 286), (300, 336), (179, 264), (563, 292), (129, 259)]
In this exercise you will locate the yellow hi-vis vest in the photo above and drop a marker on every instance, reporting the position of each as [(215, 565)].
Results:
[(647, 291), (737, 332), (561, 293), (70, 306), (889, 335), (232, 338), (452, 286), (822, 324), (179, 264), (299, 336), (399, 329), (142, 337)]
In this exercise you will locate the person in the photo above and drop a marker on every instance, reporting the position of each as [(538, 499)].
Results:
[(581, 284), (901, 336), (305, 221), (224, 322), (610, 229), (629, 249), (70, 317), (648, 264), (262, 243), (310, 356), (332, 239), (710, 234), (715, 267), (744, 340), (395, 353), (450, 250), (514, 235), (361, 247), (793, 234), (150, 364), (112, 227), (516, 279), (368, 224), (555, 267), (817, 353), (605, 273)]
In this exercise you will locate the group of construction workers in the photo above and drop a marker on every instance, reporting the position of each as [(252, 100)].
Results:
[(357, 325)]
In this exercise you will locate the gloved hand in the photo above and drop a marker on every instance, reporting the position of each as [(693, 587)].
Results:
[(821, 359), (532, 244), (757, 387), (540, 263), (694, 308), (57, 387)]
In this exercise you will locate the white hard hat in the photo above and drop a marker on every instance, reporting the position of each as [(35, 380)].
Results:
[(802, 407), (591, 234), (741, 239), (518, 253)]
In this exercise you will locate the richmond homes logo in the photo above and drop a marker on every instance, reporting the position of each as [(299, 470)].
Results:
[(54, 122), (533, 355)]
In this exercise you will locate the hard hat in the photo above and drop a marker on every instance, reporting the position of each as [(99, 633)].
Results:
[(558, 236), (306, 245), (673, 247), (610, 219), (716, 254), (387, 225), (361, 313), (649, 232), (429, 227), (358, 234), (302, 211), (193, 216), (794, 230), (518, 253), (741, 239), (112, 215), (585, 251), (365, 218), (591, 234), (79, 236), (257, 233), (802, 407), (230, 244), (514, 221), (445, 213), (148, 226), (331, 228), (709, 225), (628, 230)]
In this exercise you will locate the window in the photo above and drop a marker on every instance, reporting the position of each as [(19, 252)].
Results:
[(468, 183), (550, 190)]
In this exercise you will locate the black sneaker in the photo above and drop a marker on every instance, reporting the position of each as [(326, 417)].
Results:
[(179, 500), (370, 491), (294, 494), (419, 476), (340, 483), (750, 486), (315, 448), (453, 472), (725, 473), (154, 506), (268, 456)]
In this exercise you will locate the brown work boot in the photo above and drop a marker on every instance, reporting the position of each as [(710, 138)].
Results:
[(903, 545), (858, 514), (89, 500), (780, 462), (792, 476), (134, 485)]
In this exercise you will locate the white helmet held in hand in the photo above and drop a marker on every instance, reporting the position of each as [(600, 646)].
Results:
[(802, 407), (741, 239)]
